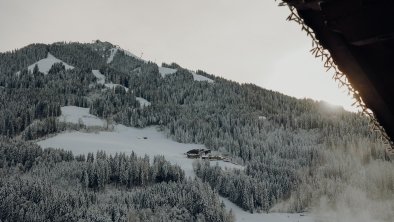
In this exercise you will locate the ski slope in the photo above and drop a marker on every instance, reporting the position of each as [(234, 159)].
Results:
[(197, 77), (100, 77), (44, 65), (112, 54), (131, 55), (114, 50), (166, 71)]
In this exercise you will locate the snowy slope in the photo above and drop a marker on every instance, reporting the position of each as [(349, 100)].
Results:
[(73, 114), (124, 139), (197, 77), (113, 52), (143, 102), (166, 71), (44, 65), (131, 55), (100, 77), (112, 55)]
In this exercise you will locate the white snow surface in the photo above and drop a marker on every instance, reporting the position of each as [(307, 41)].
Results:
[(100, 77), (197, 77), (124, 139), (73, 114), (112, 55), (143, 102), (44, 65), (166, 71)]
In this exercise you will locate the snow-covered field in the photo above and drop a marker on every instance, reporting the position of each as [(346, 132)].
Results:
[(125, 139), (122, 139), (148, 141), (73, 114)]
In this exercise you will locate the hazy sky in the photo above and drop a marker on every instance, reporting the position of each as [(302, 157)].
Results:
[(246, 41)]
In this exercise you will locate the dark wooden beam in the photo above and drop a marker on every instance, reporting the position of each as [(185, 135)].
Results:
[(359, 36)]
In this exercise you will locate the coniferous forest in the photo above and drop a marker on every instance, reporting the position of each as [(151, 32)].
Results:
[(294, 152)]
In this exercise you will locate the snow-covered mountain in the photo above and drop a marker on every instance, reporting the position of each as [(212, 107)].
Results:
[(258, 151)]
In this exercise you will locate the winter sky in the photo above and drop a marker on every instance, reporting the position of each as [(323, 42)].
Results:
[(245, 41)]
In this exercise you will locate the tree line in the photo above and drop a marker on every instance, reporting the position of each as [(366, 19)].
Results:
[(54, 185)]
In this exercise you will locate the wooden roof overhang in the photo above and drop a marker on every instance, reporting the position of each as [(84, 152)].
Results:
[(359, 35)]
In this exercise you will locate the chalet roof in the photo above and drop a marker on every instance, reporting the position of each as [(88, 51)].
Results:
[(356, 38)]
